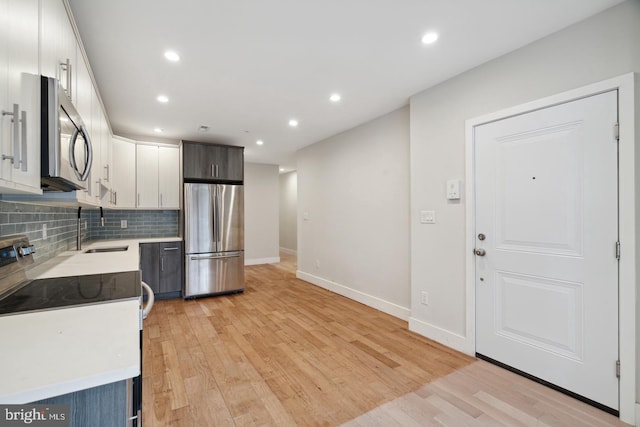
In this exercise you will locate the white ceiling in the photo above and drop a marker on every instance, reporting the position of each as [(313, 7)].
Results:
[(248, 66)]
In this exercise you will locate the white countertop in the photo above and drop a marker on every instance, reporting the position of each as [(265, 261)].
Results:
[(54, 352), (74, 263)]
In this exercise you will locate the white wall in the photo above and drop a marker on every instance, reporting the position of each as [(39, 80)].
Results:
[(355, 189), (289, 211), (601, 47), (261, 221)]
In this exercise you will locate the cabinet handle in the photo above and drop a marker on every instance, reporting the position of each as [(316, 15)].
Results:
[(170, 249), (15, 137), (107, 173), (213, 173), (138, 199), (115, 198), (161, 204), (23, 152), (216, 171), (161, 263), (66, 67)]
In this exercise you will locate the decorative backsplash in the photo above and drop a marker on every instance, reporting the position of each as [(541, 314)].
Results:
[(61, 223)]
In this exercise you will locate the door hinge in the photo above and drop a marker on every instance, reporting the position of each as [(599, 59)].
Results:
[(617, 369), (616, 131), (618, 249)]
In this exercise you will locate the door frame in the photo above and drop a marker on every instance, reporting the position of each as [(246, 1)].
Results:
[(628, 228)]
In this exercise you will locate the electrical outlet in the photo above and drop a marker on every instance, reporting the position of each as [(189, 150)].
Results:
[(44, 231), (424, 298), (123, 223), (317, 264)]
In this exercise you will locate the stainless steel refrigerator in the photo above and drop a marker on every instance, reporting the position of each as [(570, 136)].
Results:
[(214, 239)]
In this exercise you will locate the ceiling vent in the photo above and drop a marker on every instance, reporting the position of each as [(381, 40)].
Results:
[(203, 128)]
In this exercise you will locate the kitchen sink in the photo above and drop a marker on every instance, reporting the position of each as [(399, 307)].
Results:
[(109, 249)]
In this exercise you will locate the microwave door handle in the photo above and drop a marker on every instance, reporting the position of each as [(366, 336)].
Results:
[(88, 153), (72, 156)]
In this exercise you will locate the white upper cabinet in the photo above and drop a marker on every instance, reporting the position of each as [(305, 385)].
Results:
[(169, 177), (19, 97), (123, 188), (58, 56), (157, 177), (147, 176), (106, 155)]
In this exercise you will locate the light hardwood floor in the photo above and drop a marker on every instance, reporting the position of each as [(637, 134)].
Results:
[(288, 353)]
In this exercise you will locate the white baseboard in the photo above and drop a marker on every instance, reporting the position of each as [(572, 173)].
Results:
[(637, 420), (366, 299), (448, 338), (256, 261), (288, 251)]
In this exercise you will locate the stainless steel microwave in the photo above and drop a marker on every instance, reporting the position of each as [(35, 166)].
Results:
[(66, 152)]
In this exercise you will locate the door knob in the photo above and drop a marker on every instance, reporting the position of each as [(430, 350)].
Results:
[(480, 252)]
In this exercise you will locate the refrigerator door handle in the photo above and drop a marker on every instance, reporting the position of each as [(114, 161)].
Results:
[(216, 218), (229, 255)]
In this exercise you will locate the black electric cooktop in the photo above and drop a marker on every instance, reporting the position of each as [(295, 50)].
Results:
[(61, 292)]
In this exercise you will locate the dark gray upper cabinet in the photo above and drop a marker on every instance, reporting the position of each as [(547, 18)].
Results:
[(209, 162)]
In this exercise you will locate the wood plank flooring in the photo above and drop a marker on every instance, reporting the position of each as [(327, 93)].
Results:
[(288, 353)]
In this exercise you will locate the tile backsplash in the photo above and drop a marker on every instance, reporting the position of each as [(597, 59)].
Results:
[(61, 225), (139, 224)]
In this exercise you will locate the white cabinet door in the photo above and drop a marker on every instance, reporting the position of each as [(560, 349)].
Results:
[(124, 173), (58, 44), (147, 176), (169, 177), (96, 189), (106, 147), (20, 100)]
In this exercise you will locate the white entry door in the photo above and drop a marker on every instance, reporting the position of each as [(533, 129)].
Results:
[(546, 231)]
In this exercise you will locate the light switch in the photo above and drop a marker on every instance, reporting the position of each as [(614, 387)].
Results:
[(453, 189), (427, 217), (305, 216)]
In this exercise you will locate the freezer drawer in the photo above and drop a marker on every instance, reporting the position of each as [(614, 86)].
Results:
[(213, 273)]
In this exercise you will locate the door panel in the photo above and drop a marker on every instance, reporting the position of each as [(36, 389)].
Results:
[(547, 287), (230, 215), (199, 200)]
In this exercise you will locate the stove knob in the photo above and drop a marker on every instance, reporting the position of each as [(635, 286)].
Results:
[(26, 250)]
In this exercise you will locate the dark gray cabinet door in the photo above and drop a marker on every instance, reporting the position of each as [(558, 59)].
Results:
[(104, 406), (150, 265), (213, 162), (170, 267), (231, 163)]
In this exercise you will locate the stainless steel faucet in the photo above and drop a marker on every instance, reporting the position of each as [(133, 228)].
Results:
[(79, 231)]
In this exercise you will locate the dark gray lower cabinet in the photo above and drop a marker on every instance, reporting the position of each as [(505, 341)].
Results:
[(162, 268), (104, 406)]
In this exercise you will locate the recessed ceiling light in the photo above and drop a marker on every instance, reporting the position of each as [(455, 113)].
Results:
[(163, 99), (293, 123), (281, 169), (260, 142), (158, 130), (335, 97), (172, 56), (430, 37)]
